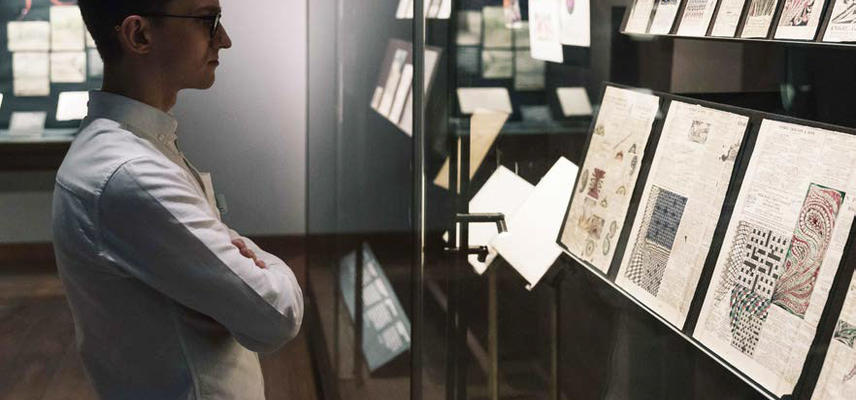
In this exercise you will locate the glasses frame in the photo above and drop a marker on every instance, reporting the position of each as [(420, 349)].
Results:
[(214, 19)]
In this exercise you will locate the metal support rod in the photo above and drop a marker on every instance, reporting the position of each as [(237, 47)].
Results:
[(462, 287), (493, 335), (556, 330), (358, 316), (452, 278), (417, 270)]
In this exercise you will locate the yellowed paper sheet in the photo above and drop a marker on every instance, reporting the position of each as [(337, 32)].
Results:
[(484, 128), (680, 208), (68, 67), (599, 208), (68, 32), (781, 252), (28, 35)]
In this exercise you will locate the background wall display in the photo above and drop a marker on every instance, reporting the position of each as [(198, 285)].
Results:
[(680, 207), (575, 18), (46, 52), (781, 252), (545, 30), (597, 212), (393, 98), (434, 9)]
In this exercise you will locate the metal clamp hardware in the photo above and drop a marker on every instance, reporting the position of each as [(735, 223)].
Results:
[(477, 218)]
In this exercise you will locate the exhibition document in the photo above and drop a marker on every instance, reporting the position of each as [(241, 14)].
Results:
[(781, 252), (842, 22), (640, 15), (680, 208), (575, 19), (664, 17), (759, 18), (838, 376), (800, 19), (696, 19), (599, 207), (545, 30), (728, 18)]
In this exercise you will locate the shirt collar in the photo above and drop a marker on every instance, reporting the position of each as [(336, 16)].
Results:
[(141, 119)]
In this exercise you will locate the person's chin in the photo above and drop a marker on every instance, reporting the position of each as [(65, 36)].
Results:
[(207, 82)]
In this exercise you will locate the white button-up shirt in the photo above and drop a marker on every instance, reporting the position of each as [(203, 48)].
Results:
[(164, 306)]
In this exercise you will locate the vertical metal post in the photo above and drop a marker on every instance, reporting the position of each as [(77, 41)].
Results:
[(358, 316), (460, 276), (493, 335), (556, 331), (452, 274), (339, 112), (417, 275)]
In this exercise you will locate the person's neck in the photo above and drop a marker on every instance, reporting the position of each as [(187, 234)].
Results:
[(143, 87)]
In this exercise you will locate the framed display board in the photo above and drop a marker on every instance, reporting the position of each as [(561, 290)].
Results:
[(47, 62)]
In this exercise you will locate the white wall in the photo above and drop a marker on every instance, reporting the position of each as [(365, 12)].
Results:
[(249, 130)]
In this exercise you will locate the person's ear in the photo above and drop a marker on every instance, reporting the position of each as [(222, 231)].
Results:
[(135, 35)]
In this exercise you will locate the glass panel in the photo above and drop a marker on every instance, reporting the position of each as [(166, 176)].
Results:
[(462, 188), (360, 194)]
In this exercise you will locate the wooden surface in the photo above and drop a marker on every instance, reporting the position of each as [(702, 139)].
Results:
[(38, 360)]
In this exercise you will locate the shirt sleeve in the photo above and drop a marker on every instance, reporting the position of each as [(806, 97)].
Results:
[(157, 227)]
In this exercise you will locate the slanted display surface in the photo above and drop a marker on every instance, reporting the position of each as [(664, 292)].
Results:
[(599, 207), (680, 207), (781, 252)]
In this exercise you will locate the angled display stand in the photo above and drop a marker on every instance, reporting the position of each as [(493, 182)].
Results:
[(769, 38), (811, 368)]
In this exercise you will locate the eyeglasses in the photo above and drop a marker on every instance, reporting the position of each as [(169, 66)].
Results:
[(214, 20)]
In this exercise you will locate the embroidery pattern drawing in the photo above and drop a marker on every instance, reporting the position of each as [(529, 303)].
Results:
[(656, 237), (808, 248)]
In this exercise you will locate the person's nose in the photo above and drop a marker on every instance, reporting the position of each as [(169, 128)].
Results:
[(223, 39)]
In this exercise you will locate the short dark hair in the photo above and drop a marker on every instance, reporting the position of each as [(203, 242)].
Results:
[(102, 16)]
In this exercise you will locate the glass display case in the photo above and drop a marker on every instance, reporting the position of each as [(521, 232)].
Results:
[(609, 199)]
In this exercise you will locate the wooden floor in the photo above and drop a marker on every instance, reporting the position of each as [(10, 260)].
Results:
[(38, 360)]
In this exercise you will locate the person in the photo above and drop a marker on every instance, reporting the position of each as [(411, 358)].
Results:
[(168, 302)]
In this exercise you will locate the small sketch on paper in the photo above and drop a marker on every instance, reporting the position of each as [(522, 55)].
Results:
[(607, 242), (808, 248), (699, 131), (848, 15), (570, 5), (749, 311), (850, 375), (730, 154), (845, 333), (596, 183), (753, 267), (583, 181), (655, 239), (754, 261), (761, 8), (797, 12)]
